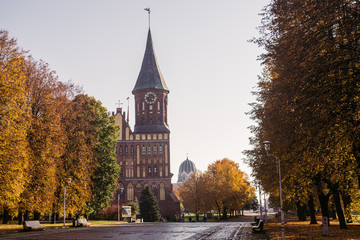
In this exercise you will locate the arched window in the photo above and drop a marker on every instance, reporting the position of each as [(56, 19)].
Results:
[(154, 189), (155, 171), (126, 150), (121, 150), (130, 192), (149, 171), (160, 149), (162, 191), (132, 150), (143, 150), (149, 150), (155, 149)]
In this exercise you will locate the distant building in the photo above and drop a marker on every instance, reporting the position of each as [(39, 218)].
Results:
[(186, 168), (144, 153)]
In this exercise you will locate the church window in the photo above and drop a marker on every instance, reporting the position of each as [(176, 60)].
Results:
[(155, 171), (121, 150), (160, 149), (161, 173), (149, 171), (130, 192), (126, 150), (158, 105), (121, 172), (144, 172), (132, 150), (154, 189), (137, 171), (155, 148), (166, 171), (138, 185), (143, 106), (149, 150), (143, 150), (162, 191)]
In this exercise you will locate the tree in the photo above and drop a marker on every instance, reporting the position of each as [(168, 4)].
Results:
[(14, 114), (107, 169), (45, 137), (195, 193), (149, 208), (230, 187), (308, 99)]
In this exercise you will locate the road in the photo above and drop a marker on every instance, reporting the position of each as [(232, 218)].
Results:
[(148, 231)]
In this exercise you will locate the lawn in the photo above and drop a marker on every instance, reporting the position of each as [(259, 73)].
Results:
[(304, 230)]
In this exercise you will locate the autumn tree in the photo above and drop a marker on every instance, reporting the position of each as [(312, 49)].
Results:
[(195, 193), (308, 99), (14, 116), (230, 186), (46, 138)]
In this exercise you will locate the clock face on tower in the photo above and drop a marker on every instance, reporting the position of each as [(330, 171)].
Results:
[(150, 97)]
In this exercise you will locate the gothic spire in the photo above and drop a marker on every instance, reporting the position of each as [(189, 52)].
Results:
[(150, 76)]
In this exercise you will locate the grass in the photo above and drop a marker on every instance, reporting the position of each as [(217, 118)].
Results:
[(304, 230), (14, 227)]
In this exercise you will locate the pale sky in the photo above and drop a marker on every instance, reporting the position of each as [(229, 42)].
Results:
[(201, 46)]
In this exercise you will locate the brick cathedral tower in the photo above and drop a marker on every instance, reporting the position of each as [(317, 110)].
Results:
[(144, 154)]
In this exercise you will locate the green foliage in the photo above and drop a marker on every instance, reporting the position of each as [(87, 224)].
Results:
[(149, 208), (134, 207), (107, 170)]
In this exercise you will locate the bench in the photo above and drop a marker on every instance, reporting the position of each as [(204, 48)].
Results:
[(33, 225), (82, 222), (259, 227), (256, 222)]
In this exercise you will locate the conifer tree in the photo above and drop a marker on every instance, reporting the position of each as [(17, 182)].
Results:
[(149, 208)]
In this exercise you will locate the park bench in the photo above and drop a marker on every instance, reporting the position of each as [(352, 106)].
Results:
[(82, 222), (256, 222), (259, 227), (33, 225)]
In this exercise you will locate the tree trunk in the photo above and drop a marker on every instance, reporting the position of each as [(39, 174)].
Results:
[(301, 211), (224, 215), (36, 215), (312, 210), (324, 200), (21, 217), (347, 201), (218, 207), (339, 211), (6, 215)]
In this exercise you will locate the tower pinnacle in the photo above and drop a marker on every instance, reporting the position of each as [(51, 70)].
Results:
[(149, 11)]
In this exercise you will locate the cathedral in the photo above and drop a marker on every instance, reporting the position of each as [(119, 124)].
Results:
[(144, 153)]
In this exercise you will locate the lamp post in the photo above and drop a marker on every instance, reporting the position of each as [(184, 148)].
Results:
[(267, 149), (69, 181), (121, 191)]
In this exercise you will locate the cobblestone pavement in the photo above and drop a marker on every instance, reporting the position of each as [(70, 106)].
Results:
[(149, 231)]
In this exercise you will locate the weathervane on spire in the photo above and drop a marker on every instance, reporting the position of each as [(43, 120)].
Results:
[(149, 11)]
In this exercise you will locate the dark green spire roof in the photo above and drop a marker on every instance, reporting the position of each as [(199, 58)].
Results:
[(150, 76)]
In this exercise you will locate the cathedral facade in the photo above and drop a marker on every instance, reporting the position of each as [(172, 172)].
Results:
[(144, 153)]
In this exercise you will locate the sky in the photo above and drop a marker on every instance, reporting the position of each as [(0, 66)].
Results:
[(202, 48)]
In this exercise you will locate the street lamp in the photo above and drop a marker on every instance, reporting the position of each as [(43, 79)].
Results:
[(69, 181), (121, 191), (267, 149)]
